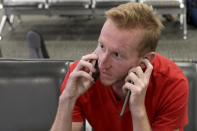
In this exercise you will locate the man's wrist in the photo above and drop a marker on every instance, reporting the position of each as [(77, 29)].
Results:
[(139, 112), (67, 100), (140, 119)]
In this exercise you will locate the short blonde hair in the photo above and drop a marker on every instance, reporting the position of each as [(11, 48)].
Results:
[(136, 15)]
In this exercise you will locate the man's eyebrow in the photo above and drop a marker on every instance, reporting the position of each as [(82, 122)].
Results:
[(119, 51)]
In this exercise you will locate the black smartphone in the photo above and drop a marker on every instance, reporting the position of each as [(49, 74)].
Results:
[(95, 75)]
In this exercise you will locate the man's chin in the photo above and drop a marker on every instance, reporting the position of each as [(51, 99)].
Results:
[(107, 82)]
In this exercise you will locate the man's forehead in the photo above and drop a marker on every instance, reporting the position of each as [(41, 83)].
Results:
[(125, 37)]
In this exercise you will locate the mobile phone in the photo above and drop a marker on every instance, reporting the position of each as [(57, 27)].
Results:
[(95, 75), (126, 100), (125, 103)]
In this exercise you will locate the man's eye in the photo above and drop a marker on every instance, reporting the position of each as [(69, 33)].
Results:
[(117, 54), (102, 46)]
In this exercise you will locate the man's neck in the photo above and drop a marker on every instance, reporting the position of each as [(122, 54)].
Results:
[(117, 89)]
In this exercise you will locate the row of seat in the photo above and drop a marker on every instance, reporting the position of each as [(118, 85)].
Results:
[(47, 3), (83, 7), (29, 93)]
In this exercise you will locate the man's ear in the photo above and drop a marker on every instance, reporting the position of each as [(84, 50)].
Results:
[(150, 56)]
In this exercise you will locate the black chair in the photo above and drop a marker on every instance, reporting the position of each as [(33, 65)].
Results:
[(190, 71), (29, 92), (70, 7), (176, 7), (13, 8), (100, 6)]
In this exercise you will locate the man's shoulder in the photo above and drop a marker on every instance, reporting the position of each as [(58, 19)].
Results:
[(74, 64), (162, 62), (166, 67)]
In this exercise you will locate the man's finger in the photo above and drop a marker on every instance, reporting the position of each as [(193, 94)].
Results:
[(88, 57), (138, 71), (85, 65), (149, 67), (84, 75), (132, 78)]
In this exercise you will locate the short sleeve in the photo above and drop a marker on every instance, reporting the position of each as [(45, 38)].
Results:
[(71, 68), (172, 111), (78, 115), (77, 112)]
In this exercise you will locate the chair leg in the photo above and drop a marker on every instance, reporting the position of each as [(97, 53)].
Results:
[(10, 22), (19, 19), (184, 25), (181, 19), (3, 21), (12, 19)]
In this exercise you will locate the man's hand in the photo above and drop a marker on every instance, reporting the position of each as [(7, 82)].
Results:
[(78, 83), (80, 80), (137, 81)]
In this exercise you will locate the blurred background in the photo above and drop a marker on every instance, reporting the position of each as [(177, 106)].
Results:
[(69, 29), (68, 36)]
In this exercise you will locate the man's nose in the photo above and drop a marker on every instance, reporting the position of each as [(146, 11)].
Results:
[(104, 61)]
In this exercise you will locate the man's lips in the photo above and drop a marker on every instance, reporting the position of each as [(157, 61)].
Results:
[(105, 74)]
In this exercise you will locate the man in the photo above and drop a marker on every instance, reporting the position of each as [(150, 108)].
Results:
[(126, 61)]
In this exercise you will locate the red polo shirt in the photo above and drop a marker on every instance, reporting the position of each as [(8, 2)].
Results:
[(166, 101)]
